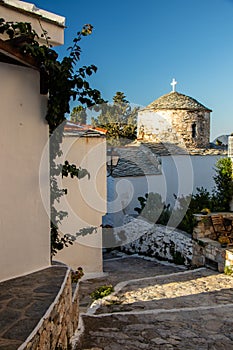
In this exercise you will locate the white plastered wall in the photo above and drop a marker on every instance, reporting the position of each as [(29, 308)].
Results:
[(181, 175), (85, 202), (25, 12), (24, 222)]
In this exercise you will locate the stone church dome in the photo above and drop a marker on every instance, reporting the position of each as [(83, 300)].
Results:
[(175, 100), (177, 119)]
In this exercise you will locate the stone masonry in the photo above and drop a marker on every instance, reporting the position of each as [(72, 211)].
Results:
[(175, 118), (59, 323), (38, 311), (206, 250)]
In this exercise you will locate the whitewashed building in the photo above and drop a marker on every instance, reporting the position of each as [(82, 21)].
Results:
[(24, 133), (85, 201)]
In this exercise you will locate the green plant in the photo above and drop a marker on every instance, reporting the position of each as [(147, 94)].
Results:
[(201, 243), (223, 191), (76, 275), (205, 211), (218, 142), (62, 82), (102, 292), (189, 205), (178, 259), (218, 200), (206, 220), (142, 201), (224, 240), (78, 115), (228, 270), (165, 215), (119, 119), (153, 209)]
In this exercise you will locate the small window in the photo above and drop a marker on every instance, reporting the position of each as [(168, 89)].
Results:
[(194, 130)]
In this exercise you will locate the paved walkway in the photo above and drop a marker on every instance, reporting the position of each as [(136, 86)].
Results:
[(158, 306), (24, 301)]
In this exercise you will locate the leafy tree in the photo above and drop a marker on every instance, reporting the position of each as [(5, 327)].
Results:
[(223, 191), (79, 115), (119, 119)]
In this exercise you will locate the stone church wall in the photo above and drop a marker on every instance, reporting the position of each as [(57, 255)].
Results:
[(193, 127)]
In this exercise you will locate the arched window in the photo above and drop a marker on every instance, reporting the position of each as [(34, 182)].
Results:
[(194, 130)]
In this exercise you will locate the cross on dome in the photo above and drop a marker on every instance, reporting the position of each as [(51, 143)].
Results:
[(173, 84)]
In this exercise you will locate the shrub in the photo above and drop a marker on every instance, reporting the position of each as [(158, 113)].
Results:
[(228, 270), (153, 209), (223, 191), (102, 292), (192, 204)]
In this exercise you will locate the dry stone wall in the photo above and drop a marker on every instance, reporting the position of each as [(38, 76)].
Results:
[(58, 325), (207, 251)]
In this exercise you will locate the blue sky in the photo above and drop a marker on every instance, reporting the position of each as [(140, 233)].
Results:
[(139, 46)]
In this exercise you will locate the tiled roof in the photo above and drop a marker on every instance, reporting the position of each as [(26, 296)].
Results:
[(175, 100), (135, 160), (140, 159), (75, 129), (166, 149)]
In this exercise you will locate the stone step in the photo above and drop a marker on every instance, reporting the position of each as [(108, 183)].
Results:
[(190, 329), (122, 268), (201, 287), (182, 310)]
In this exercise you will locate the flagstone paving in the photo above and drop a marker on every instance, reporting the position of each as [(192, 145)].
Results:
[(162, 307), (24, 301)]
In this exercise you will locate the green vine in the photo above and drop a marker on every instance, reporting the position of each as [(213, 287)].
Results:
[(62, 82)]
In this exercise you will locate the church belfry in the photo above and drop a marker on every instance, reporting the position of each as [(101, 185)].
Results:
[(175, 118)]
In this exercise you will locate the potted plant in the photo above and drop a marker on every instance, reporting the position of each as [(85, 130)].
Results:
[(224, 241), (76, 275), (205, 211)]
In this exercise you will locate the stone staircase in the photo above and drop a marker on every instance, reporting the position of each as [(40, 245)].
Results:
[(189, 309)]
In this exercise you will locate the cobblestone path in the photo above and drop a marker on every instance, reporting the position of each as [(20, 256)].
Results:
[(166, 308)]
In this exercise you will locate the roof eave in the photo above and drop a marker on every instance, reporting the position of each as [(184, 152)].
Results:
[(34, 11), (12, 52)]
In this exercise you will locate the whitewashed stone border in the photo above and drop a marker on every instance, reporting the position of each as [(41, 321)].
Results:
[(154, 240), (57, 326)]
